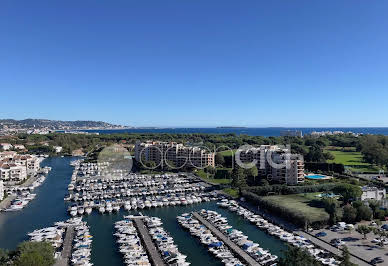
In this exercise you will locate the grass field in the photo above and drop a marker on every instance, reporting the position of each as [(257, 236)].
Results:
[(300, 203), (231, 192), (207, 178), (353, 160), (227, 152)]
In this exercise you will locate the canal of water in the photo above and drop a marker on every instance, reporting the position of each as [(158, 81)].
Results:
[(48, 207)]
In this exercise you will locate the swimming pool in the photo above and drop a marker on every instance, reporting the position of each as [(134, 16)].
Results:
[(316, 176)]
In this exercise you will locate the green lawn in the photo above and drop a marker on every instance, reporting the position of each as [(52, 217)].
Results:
[(353, 160), (231, 192), (227, 152), (209, 178), (300, 203), (347, 158)]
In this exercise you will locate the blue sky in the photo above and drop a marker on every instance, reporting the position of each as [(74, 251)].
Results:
[(196, 62)]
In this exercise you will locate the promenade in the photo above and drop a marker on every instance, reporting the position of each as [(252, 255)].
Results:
[(63, 260), (153, 253), (242, 255)]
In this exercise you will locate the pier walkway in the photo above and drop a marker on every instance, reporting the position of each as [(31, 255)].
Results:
[(241, 254), (63, 260), (5, 203), (153, 253)]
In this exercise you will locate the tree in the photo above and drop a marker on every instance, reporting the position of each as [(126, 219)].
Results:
[(346, 257), (331, 207), (252, 172), (238, 177), (315, 154), (4, 256), (220, 160), (295, 256), (374, 205), (381, 233), (348, 192), (350, 214), (35, 254), (328, 156), (363, 230), (210, 169), (364, 213)]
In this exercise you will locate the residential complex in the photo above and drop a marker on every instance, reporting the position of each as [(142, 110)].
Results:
[(274, 162), (177, 153), (16, 168)]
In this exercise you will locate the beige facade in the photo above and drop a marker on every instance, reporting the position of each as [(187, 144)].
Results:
[(275, 163), (167, 152)]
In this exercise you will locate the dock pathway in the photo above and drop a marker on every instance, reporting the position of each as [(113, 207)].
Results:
[(67, 245), (241, 254), (153, 253), (6, 202)]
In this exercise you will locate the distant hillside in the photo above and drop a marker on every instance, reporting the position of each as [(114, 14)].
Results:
[(55, 124)]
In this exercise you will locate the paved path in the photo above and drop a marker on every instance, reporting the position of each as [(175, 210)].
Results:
[(330, 248), (242, 255), (4, 204), (30, 180), (67, 245), (153, 253)]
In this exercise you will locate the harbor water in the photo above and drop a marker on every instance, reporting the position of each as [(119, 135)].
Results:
[(48, 207)]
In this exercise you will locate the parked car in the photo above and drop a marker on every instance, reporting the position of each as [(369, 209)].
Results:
[(320, 234), (337, 242), (385, 227), (376, 260)]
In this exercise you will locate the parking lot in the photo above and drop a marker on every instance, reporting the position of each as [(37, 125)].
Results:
[(358, 246)]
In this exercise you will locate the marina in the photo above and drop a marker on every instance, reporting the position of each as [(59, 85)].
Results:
[(235, 237), (49, 207), (90, 189), (20, 195)]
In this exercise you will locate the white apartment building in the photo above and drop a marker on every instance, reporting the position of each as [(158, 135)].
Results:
[(180, 155), (373, 193), (1, 190), (30, 162), (275, 163), (12, 172), (6, 146)]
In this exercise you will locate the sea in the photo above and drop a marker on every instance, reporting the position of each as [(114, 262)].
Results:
[(49, 207), (265, 131)]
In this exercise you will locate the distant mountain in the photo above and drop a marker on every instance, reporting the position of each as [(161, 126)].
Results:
[(55, 124)]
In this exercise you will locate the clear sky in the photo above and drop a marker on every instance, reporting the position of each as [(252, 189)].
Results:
[(190, 63)]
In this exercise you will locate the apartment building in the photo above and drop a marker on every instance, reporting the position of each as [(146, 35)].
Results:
[(373, 193), (15, 167), (177, 153), (31, 163), (12, 172), (275, 163)]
